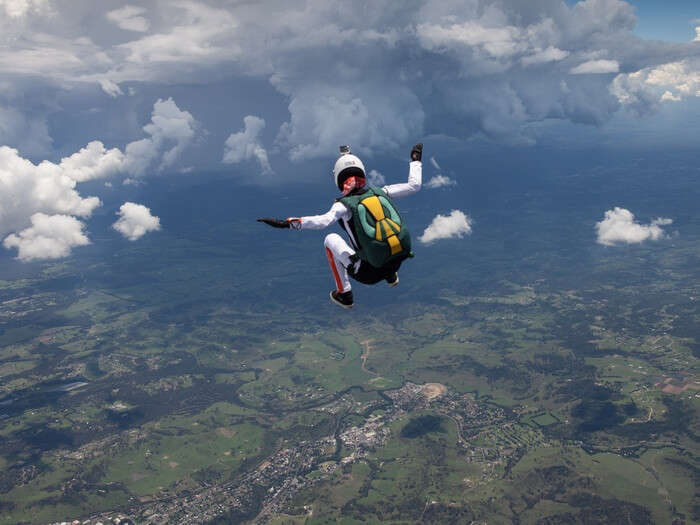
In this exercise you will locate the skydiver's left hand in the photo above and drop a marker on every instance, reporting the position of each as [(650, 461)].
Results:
[(417, 152), (275, 223)]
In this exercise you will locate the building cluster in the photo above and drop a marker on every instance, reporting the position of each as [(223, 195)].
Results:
[(371, 435), (20, 307)]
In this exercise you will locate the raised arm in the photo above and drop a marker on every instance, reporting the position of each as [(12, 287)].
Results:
[(415, 176), (310, 222)]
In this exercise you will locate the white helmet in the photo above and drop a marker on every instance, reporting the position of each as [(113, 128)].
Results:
[(346, 161)]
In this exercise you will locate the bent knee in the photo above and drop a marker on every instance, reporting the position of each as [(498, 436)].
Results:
[(332, 238)]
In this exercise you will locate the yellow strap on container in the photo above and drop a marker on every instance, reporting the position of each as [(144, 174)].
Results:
[(384, 225), (375, 207), (394, 244)]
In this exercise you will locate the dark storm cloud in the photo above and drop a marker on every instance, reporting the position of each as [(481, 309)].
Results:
[(375, 75)]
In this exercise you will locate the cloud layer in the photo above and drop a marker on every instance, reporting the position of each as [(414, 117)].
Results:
[(456, 224), (619, 226), (378, 80), (135, 221)]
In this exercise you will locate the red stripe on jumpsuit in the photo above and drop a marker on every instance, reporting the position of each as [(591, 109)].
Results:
[(331, 261)]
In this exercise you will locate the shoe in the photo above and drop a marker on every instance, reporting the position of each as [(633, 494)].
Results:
[(393, 279), (342, 299)]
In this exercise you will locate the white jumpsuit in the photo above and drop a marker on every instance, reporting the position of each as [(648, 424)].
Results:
[(339, 251)]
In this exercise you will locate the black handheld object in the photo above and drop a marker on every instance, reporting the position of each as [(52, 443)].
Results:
[(275, 223), (417, 152)]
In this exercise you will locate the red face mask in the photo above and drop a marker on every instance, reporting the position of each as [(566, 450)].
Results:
[(353, 183)]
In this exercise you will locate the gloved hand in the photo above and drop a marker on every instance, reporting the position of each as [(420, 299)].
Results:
[(417, 152), (275, 223)]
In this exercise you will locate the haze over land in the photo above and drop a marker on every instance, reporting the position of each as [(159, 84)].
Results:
[(166, 358)]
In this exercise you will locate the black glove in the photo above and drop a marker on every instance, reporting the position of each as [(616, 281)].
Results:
[(417, 152), (275, 223)]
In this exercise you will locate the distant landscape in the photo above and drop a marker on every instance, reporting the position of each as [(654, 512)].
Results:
[(524, 374)]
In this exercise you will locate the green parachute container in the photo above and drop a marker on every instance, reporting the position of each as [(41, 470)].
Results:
[(381, 235)]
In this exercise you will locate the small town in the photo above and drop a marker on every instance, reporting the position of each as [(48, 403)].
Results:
[(264, 492)]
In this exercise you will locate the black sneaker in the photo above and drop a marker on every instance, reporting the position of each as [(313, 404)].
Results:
[(343, 299), (393, 279)]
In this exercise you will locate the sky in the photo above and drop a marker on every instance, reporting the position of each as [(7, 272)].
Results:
[(122, 92)]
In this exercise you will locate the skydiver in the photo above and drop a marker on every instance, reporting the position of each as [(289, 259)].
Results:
[(379, 240)]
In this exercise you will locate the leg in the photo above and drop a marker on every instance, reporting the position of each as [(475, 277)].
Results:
[(339, 252)]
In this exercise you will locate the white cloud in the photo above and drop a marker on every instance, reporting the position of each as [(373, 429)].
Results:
[(49, 237), (544, 56), (129, 18), (196, 34), (456, 224), (697, 34), (670, 97), (619, 226), (440, 181), (496, 41), (643, 89), (376, 178), (434, 163), (109, 87), (26, 188), (171, 130), (596, 67), (135, 220), (93, 161), (246, 145), (19, 8)]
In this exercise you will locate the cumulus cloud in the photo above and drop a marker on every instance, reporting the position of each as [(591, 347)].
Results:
[(94, 161), (376, 178), (667, 96), (246, 144), (171, 130), (129, 18), (619, 226), (697, 34), (135, 221), (440, 181), (596, 67), (456, 224), (26, 188), (671, 82), (109, 87), (49, 237)]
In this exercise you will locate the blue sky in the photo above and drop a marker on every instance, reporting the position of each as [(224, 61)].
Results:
[(671, 20), (121, 92)]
